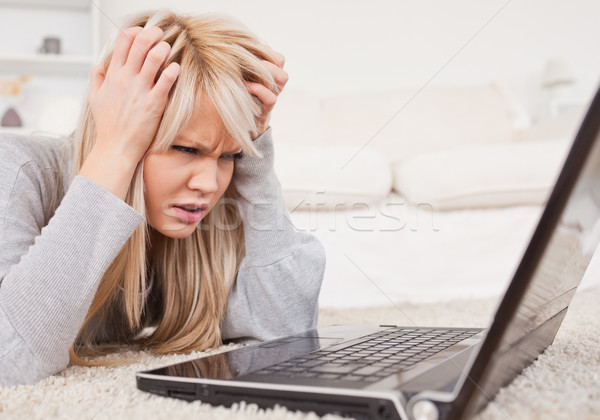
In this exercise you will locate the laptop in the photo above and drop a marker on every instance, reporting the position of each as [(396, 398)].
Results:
[(395, 372)]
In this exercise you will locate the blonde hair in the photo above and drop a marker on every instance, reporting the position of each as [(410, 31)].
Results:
[(217, 55)]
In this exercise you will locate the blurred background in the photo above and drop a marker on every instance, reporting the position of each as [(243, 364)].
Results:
[(333, 46), (417, 139)]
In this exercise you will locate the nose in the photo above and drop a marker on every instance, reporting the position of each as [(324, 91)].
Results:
[(205, 176)]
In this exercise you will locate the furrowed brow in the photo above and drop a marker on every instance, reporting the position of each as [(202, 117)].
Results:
[(200, 147), (207, 150)]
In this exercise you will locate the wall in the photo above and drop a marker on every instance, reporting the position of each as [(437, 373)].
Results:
[(346, 46), (51, 79)]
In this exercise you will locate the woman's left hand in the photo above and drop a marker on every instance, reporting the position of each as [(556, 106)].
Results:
[(267, 97)]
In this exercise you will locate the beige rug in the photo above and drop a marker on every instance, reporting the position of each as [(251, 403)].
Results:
[(564, 383)]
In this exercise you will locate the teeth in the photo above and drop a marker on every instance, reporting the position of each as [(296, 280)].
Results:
[(186, 208)]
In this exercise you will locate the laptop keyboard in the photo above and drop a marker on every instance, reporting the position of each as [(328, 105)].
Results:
[(380, 355)]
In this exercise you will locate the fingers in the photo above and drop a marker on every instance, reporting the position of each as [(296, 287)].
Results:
[(267, 97), (276, 55), (121, 51), (138, 51), (279, 58), (96, 78), (154, 60), (279, 74), (166, 80), (142, 44), (134, 49)]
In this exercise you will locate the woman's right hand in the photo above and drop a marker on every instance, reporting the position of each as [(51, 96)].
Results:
[(127, 103)]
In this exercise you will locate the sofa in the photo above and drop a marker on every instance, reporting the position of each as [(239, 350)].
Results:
[(417, 195)]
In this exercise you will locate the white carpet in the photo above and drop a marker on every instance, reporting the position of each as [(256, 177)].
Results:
[(564, 383)]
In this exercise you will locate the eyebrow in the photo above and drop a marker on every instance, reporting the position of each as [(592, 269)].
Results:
[(204, 149)]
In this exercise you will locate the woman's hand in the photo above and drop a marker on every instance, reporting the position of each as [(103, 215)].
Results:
[(126, 102), (267, 97)]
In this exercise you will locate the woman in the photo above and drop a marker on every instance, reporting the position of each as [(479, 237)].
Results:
[(166, 213)]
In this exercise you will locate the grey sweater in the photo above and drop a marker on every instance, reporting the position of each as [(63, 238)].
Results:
[(53, 256)]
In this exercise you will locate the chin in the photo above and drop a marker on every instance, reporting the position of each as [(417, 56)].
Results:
[(183, 232)]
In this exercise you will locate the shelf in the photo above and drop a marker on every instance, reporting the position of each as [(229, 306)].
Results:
[(46, 63), (48, 4), (25, 25), (46, 59), (16, 130)]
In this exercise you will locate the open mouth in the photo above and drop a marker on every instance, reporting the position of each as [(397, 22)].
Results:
[(190, 213), (189, 208)]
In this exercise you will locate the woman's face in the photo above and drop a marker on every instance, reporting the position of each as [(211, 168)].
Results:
[(183, 184)]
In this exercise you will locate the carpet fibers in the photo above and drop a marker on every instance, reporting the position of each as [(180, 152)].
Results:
[(564, 383)]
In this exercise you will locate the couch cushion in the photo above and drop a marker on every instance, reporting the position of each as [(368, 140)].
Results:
[(317, 176), (563, 126), (491, 175), (403, 123)]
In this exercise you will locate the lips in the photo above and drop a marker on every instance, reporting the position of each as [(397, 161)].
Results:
[(190, 212)]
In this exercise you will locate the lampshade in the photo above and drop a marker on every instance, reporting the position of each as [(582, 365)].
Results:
[(557, 72)]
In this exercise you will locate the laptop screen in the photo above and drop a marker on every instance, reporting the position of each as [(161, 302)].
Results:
[(551, 269)]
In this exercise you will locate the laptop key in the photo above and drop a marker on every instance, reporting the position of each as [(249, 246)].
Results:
[(370, 361), (338, 369), (353, 378), (311, 363), (383, 374), (306, 374), (380, 365), (391, 361), (328, 376), (367, 371)]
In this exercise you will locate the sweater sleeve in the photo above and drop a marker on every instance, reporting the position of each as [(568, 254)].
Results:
[(49, 273), (277, 287)]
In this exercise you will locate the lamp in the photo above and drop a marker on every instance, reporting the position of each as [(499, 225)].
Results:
[(558, 80), (557, 72)]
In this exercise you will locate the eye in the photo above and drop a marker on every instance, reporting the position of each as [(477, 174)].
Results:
[(183, 149), (231, 156)]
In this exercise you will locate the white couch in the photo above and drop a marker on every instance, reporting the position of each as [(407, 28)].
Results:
[(416, 195)]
